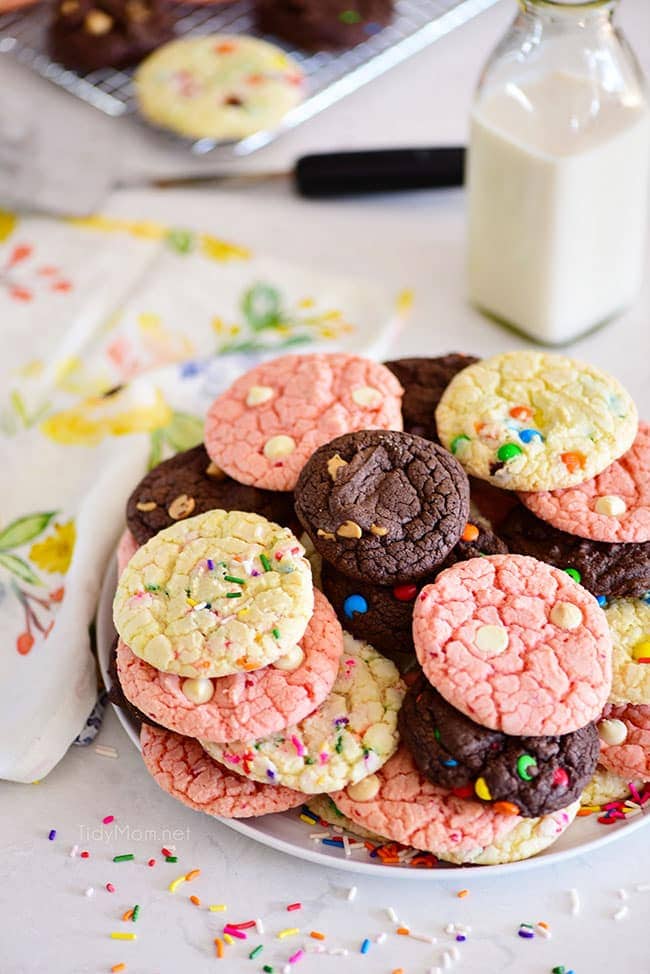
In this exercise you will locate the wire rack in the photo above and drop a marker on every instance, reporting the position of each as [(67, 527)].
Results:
[(330, 76)]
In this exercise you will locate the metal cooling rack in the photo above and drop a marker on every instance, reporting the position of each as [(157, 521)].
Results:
[(330, 76)]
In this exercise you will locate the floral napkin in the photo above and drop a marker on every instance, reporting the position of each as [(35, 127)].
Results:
[(112, 331)]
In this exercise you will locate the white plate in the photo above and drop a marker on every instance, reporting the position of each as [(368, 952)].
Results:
[(284, 830)]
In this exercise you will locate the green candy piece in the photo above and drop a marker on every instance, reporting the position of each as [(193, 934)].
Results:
[(457, 442), (508, 451), (436, 734), (574, 574), (524, 762), (350, 17)]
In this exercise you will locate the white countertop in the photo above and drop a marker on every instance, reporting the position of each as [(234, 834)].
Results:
[(47, 922)]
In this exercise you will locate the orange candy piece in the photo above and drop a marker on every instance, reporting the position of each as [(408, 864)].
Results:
[(573, 460), (521, 412), (470, 533), (506, 808)]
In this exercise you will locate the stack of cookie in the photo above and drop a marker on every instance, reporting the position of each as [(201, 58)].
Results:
[(253, 697), (250, 694)]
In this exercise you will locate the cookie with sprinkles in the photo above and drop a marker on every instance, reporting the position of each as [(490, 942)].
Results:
[(606, 570), (406, 808), (242, 705), (532, 776), (534, 421), (383, 506), (190, 483), (219, 86), (605, 786), (629, 623), (424, 381), (514, 644), (220, 593), (181, 767), (265, 427), (343, 741), (613, 506)]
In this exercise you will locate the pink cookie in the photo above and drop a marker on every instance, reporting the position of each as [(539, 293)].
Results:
[(264, 428), (126, 548), (398, 803), (183, 769), (244, 705), (515, 644), (625, 740), (614, 506)]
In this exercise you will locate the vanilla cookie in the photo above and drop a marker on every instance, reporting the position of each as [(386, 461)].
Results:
[(219, 86), (629, 622), (215, 594), (535, 420), (345, 740)]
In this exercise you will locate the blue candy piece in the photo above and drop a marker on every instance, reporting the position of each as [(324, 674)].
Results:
[(601, 600), (527, 435), (646, 598), (355, 605), (450, 763)]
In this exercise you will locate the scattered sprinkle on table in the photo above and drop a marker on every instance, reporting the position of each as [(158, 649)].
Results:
[(105, 751), (193, 873), (214, 907), (622, 913), (89, 892), (108, 819), (116, 935), (52, 835), (575, 902), (218, 943), (151, 862), (195, 900), (175, 883), (109, 888), (126, 857), (234, 932), (317, 935), (289, 932), (296, 957), (171, 858), (116, 968), (255, 952), (294, 906), (365, 946), (352, 894), (462, 893), (526, 931)]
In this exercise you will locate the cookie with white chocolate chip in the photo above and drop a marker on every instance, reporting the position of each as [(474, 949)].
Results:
[(383, 506), (87, 35), (189, 484)]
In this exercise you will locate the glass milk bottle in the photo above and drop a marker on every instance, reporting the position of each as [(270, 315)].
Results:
[(558, 172)]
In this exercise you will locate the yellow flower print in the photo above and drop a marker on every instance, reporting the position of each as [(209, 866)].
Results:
[(146, 229), (215, 249), (163, 345), (7, 224), (114, 415), (72, 377), (54, 554)]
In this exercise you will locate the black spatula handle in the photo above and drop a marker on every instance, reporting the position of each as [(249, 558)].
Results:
[(379, 171)]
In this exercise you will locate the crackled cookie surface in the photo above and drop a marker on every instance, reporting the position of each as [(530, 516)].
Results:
[(220, 86), (407, 808), (629, 622), (216, 594), (613, 506), (190, 483), (242, 705), (605, 569), (424, 381), (383, 506), (264, 428), (535, 775), (346, 739), (605, 786), (180, 766), (514, 644), (535, 420), (625, 740)]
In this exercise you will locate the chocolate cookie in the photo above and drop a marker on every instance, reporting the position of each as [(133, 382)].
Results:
[(86, 35), (424, 381), (383, 506), (383, 615), (534, 775), (607, 570), (190, 484), (321, 25)]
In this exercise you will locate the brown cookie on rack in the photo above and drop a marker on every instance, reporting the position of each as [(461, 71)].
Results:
[(321, 25)]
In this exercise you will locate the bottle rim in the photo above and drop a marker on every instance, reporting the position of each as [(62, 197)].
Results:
[(568, 4)]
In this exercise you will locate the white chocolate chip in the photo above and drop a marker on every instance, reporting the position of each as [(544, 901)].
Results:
[(610, 505), (566, 615), (258, 395), (364, 790), (334, 464), (612, 731), (279, 446), (491, 639), (290, 660), (367, 396), (158, 651), (198, 689)]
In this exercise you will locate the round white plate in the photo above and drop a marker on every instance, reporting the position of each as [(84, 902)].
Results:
[(284, 830)]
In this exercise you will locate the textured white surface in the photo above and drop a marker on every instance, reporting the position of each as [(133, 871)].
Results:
[(417, 241)]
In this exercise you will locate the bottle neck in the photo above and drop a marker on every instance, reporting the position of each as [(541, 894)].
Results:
[(570, 11)]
